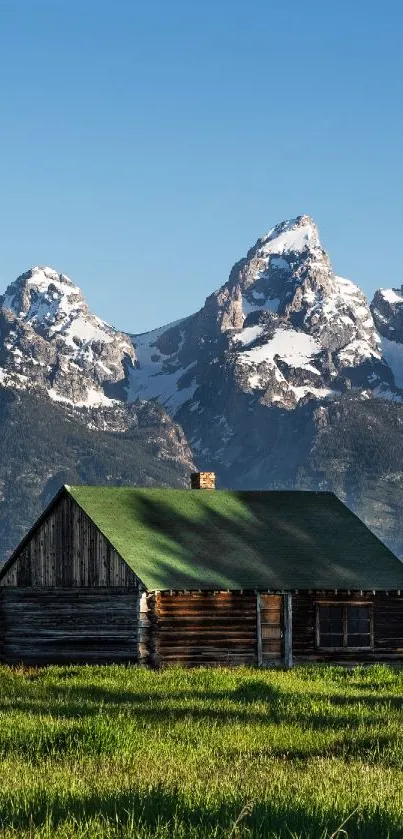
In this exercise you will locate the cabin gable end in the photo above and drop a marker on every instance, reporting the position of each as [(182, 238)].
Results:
[(65, 549)]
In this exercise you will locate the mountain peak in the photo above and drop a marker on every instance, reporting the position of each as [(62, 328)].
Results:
[(284, 329), (53, 341), (38, 294), (42, 276), (39, 273), (293, 235), (285, 266)]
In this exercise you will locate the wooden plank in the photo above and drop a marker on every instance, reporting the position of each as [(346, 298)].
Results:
[(259, 630), (273, 620), (288, 631), (271, 647), (271, 632), (271, 601)]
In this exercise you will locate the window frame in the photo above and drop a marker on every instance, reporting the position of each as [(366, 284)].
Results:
[(344, 604)]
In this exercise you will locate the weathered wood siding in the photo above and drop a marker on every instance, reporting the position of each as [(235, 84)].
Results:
[(201, 628), (65, 625), (67, 550), (271, 620), (387, 626)]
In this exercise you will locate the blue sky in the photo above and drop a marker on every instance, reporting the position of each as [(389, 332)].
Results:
[(146, 145)]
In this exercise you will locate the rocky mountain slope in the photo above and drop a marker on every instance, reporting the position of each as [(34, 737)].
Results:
[(277, 362), (64, 416), (285, 377), (44, 444), (285, 328)]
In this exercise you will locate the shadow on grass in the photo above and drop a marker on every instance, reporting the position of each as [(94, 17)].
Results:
[(224, 706), (61, 744), (157, 808), (253, 703)]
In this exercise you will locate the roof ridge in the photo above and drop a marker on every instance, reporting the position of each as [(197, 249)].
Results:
[(121, 487)]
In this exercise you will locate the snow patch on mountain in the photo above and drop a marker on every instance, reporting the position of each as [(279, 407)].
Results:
[(157, 375), (357, 351), (248, 335), (262, 303), (290, 237), (392, 351), (312, 392), (391, 295), (295, 348), (94, 399)]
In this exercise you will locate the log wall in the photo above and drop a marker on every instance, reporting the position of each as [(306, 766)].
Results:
[(200, 628), (387, 626), (112, 624), (67, 550), (62, 626)]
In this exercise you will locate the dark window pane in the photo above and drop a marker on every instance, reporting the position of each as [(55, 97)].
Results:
[(332, 614), (358, 613), (358, 626), (331, 639), (359, 640), (330, 626)]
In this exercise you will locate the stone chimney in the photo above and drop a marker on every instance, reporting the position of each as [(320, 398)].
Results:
[(202, 480)]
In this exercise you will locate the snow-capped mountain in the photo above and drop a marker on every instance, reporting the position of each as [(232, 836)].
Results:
[(63, 412), (50, 340), (284, 331)]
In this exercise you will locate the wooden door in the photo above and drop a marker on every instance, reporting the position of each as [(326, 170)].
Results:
[(269, 627)]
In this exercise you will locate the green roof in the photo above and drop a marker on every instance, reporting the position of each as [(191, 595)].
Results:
[(216, 539)]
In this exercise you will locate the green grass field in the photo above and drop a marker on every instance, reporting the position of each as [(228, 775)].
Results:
[(115, 751)]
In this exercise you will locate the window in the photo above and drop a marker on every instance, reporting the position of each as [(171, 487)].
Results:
[(344, 626)]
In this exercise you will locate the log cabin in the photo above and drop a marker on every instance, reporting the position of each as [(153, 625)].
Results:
[(199, 576)]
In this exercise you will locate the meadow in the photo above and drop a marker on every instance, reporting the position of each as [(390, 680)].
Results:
[(224, 753)]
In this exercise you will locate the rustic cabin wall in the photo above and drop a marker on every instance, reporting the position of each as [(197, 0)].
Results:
[(67, 550), (56, 626), (387, 626), (202, 628)]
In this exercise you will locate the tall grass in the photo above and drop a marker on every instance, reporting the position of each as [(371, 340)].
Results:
[(115, 752)]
